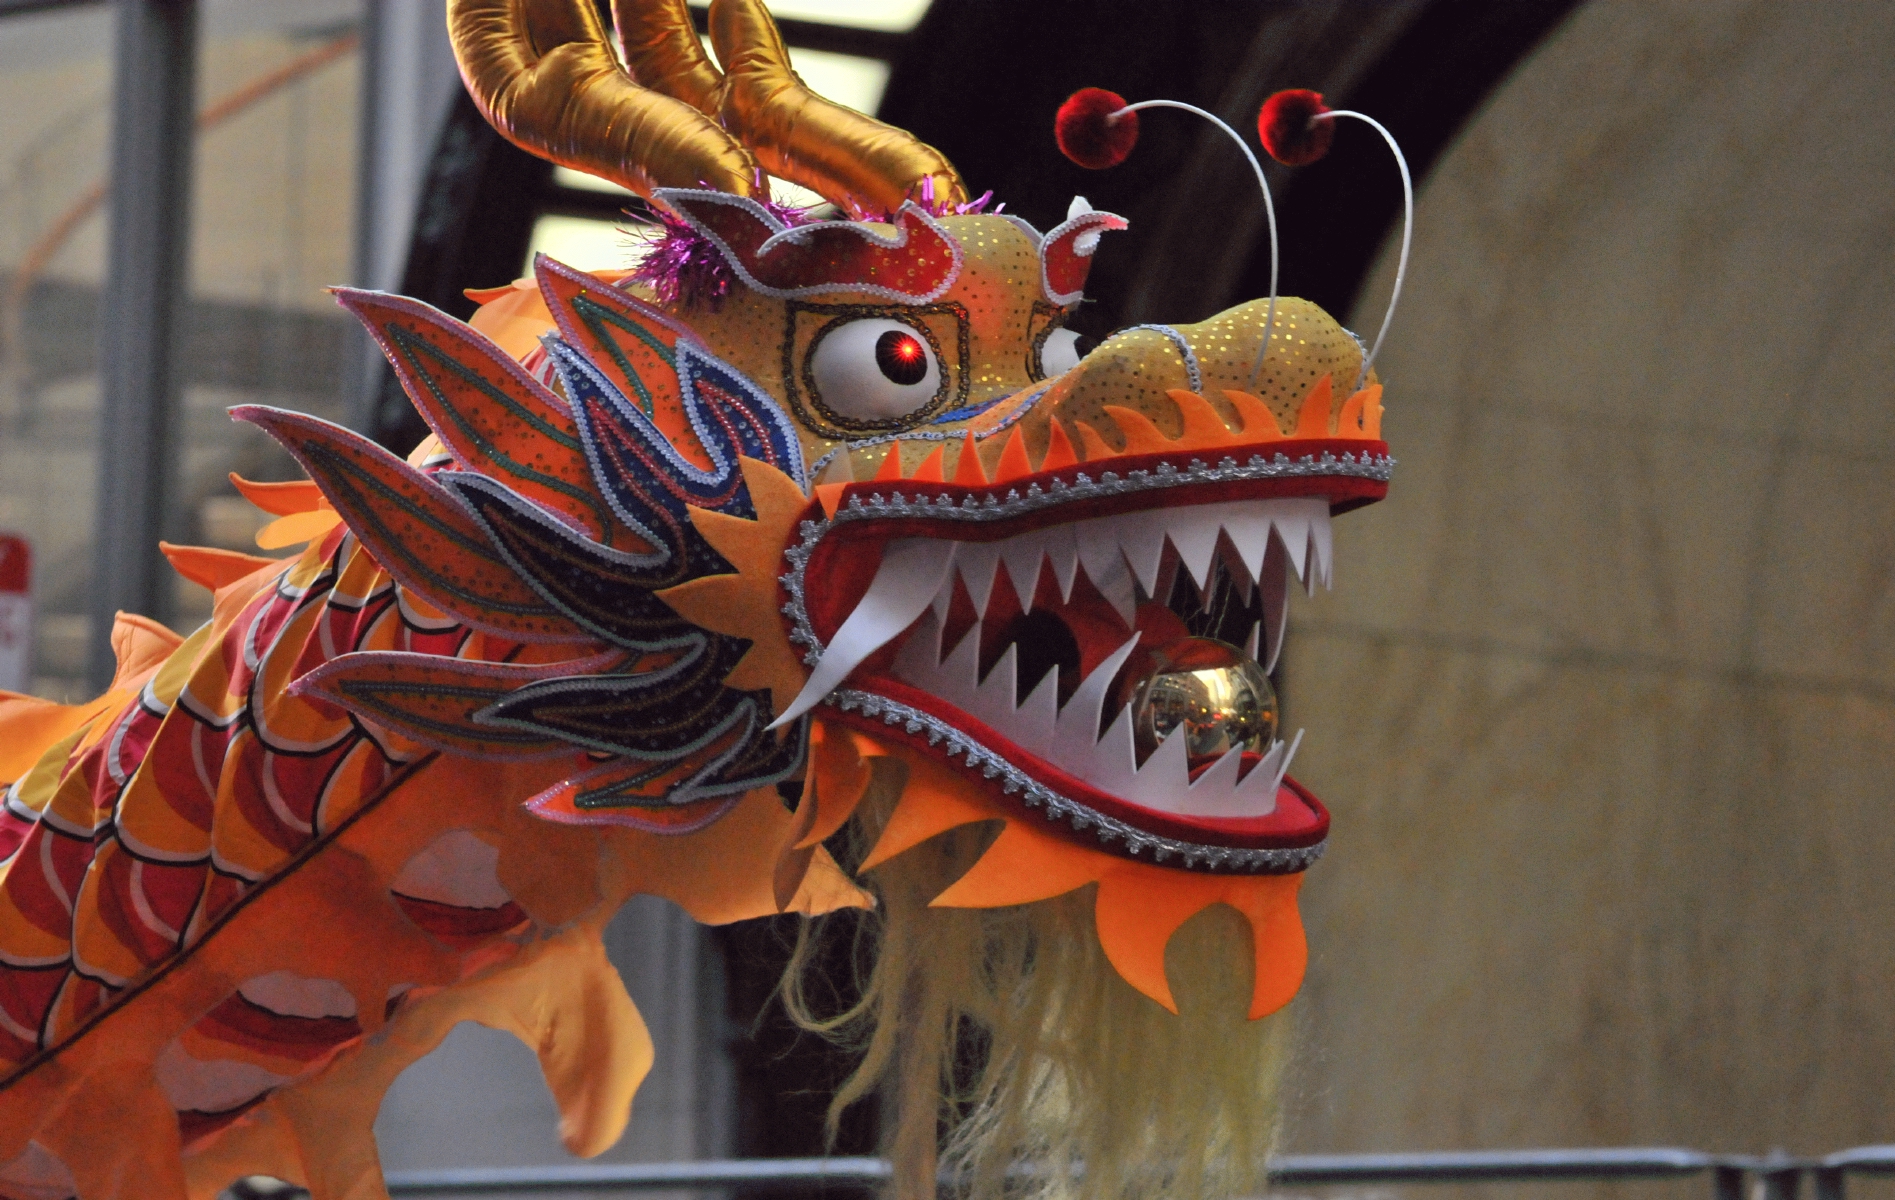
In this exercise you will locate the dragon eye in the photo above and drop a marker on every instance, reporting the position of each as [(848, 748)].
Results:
[(875, 370), (1061, 352)]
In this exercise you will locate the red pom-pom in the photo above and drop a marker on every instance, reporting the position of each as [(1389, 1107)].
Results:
[(1290, 130), (1086, 136)]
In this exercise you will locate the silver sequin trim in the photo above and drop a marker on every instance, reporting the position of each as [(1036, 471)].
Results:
[(1057, 808)]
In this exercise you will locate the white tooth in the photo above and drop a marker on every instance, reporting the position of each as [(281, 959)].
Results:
[(1112, 765), (1322, 546), (958, 679), (1275, 586), (1038, 716), (1211, 791), (1105, 567), (1142, 538), (1168, 568), (977, 562), (1242, 579), (918, 660), (1256, 795), (1022, 555), (1196, 540), (1283, 768), (1164, 782), (912, 571), (1250, 644), (1077, 731), (1293, 532), (1062, 550), (1249, 531), (993, 703)]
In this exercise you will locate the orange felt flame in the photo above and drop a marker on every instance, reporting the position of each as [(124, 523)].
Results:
[(1138, 906), (1059, 448), (1201, 421), (891, 465), (1313, 420), (1361, 414), (297, 528), (210, 568), (830, 494), (1014, 462), (967, 469), (280, 499), (1259, 422), (1202, 425), (1095, 445), (931, 470)]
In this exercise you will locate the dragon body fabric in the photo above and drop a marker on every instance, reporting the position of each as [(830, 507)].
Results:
[(807, 530)]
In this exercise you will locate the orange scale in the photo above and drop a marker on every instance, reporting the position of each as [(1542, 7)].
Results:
[(249, 835), (26, 993), (110, 937), (35, 905), (361, 773)]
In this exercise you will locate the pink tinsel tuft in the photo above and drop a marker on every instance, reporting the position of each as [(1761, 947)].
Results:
[(685, 269)]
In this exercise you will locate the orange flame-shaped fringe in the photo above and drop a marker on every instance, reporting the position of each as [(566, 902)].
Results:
[(1202, 427), (1138, 905)]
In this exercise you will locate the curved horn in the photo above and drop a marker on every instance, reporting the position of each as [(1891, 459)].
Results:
[(544, 74), (835, 151), (853, 160), (664, 53)]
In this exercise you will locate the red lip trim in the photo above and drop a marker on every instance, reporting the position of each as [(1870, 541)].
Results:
[(1299, 820)]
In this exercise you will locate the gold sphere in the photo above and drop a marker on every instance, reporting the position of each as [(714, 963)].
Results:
[(1218, 693)]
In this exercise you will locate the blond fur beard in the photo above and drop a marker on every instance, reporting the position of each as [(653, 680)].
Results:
[(1005, 1037)]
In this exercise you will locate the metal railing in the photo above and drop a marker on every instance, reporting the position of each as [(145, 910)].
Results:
[(1777, 1177)]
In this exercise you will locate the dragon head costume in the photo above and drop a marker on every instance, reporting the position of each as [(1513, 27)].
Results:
[(806, 532)]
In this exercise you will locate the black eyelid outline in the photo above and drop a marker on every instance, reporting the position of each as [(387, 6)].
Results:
[(1057, 315), (807, 403)]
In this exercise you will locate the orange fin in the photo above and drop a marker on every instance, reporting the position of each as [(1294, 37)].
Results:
[(416, 531), (280, 499), (211, 568), (486, 409)]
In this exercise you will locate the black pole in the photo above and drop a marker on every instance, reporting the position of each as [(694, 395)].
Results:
[(154, 76)]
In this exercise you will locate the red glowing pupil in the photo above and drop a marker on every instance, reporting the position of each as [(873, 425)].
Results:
[(901, 357)]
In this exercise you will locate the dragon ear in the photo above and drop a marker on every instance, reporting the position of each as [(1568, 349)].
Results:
[(492, 415), (1066, 253)]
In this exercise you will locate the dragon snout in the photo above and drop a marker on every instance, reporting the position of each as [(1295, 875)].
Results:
[(1135, 367)]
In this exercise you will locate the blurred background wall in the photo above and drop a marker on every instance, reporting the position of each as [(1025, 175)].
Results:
[(1605, 696), (1603, 701)]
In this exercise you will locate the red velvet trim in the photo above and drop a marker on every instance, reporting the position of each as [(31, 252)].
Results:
[(1299, 820)]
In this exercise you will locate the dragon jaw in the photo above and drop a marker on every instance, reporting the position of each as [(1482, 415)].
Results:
[(932, 592)]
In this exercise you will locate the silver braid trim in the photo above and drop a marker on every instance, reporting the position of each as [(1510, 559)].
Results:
[(1130, 841)]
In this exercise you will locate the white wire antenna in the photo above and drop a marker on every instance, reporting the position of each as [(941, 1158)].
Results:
[(1408, 230), (1269, 209)]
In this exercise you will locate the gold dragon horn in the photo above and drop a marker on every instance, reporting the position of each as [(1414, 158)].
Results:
[(853, 160), (545, 75)]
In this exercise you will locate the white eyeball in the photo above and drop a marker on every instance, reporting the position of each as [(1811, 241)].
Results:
[(1059, 353), (874, 370)]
